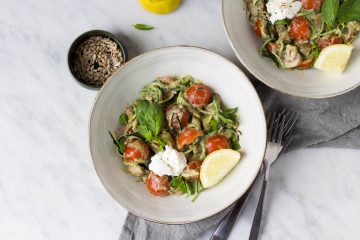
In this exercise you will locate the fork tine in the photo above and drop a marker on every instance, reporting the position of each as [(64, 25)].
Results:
[(276, 128), (291, 123), (279, 138), (271, 125)]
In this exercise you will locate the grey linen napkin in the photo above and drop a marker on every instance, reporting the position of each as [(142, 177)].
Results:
[(331, 122)]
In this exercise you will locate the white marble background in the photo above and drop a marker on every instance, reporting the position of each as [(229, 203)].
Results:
[(48, 186)]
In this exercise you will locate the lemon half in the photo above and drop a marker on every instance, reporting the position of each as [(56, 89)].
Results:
[(160, 6), (217, 165), (334, 58)]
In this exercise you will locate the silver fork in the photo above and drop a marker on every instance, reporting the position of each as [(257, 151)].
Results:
[(281, 123)]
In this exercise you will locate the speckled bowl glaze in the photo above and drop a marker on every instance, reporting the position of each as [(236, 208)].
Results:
[(124, 87), (310, 83)]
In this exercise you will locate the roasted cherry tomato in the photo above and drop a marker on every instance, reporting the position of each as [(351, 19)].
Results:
[(305, 64), (198, 95), (216, 142), (260, 27), (136, 149), (299, 29), (192, 169), (177, 116), (325, 42), (273, 47), (157, 185), (188, 136), (312, 4)]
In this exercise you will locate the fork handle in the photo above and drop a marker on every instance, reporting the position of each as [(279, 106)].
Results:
[(255, 227), (223, 230)]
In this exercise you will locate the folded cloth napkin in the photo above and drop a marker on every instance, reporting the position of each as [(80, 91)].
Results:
[(330, 122)]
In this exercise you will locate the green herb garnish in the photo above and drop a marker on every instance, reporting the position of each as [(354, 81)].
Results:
[(141, 26), (349, 11), (179, 184), (329, 11), (282, 22), (151, 118)]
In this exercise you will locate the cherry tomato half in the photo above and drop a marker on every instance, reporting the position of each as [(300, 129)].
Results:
[(325, 42), (305, 64), (193, 166), (273, 47), (299, 29), (198, 95), (157, 185), (177, 116), (188, 136), (216, 142), (312, 4), (260, 27), (136, 149)]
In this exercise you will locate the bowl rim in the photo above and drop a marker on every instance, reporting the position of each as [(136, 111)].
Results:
[(243, 63), (254, 177), (83, 37)]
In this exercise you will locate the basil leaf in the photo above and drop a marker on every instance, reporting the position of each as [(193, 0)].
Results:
[(349, 11), (123, 119), (235, 143), (150, 116), (146, 133), (141, 26), (178, 183), (282, 22), (329, 11)]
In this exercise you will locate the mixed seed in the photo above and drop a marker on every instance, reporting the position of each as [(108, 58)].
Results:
[(96, 59)]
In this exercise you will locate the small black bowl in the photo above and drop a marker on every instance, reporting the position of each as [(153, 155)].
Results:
[(83, 37)]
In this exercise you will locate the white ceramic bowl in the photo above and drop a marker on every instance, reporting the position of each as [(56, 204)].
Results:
[(123, 88), (311, 83)]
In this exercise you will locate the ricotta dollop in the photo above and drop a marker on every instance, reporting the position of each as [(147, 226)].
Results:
[(168, 162), (282, 9)]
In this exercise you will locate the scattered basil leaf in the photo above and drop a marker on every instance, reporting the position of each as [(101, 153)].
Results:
[(349, 11), (141, 26), (282, 22), (329, 11), (123, 119), (150, 116), (177, 183), (235, 143)]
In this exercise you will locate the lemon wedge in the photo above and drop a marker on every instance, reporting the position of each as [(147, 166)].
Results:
[(333, 59), (216, 165), (160, 6)]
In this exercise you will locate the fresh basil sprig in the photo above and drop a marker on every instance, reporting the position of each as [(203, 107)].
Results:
[(151, 118), (349, 11), (329, 11), (141, 26)]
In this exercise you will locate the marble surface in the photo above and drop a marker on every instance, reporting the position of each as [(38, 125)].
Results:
[(48, 186)]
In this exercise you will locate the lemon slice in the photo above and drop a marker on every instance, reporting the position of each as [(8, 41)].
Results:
[(160, 6), (216, 165), (333, 59)]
